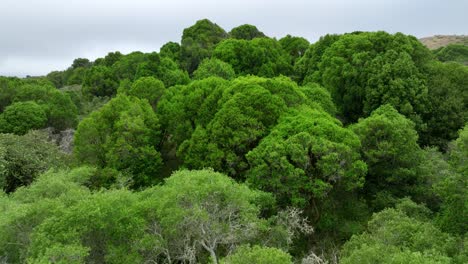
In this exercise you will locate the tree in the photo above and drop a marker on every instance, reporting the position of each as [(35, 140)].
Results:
[(452, 188), (100, 81), (124, 135), (198, 42), (206, 213), (396, 236), (452, 52), (294, 46), (148, 88), (304, 157), (391, 151), (23, 158), (171, 50), (239, 117), (257, 254), (27, 207), (112, 236), (60, 110), (21, 117), (214, 67), (319, 95), (447, 110), (260, 56), (246, 31), (365, 70)]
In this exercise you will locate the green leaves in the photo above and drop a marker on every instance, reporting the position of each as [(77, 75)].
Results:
[(124, 135), (304, 157)]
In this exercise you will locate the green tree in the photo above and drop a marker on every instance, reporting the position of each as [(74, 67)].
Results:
[(304, 157), (447, 110), (452, 52), (23, 158), (260, 56), (294, 46), (171, 50), (391, 151), (396, 236), (259, 255), (239, 117), (21, 117), (207, 213), (148, 88), (214, 67), (246, 31), (116, 226), (198, 42), (28, 207), (100, 81), (124, 135), (365, 70), (452, 189)]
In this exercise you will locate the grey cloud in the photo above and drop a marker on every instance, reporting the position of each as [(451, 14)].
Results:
[(40, 36)]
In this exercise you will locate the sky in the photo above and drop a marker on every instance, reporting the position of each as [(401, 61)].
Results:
[(39, 36)]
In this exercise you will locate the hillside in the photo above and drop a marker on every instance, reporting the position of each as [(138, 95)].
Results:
[(438, 41)]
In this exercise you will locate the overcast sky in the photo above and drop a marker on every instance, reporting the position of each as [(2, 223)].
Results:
[(38, 36)]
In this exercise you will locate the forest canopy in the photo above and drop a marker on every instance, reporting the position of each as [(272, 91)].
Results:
[(231, 146)]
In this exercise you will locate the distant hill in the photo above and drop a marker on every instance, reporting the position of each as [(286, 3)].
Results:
[(438, 41)]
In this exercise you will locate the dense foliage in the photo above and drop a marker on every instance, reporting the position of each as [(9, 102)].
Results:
[(240, 148)]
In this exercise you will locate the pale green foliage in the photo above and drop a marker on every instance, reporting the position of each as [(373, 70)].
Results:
[(206, 212), (22, 158), (401, 235), (29, 206), (258, 255)]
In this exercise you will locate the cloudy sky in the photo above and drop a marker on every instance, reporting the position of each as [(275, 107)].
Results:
[(38, 36)]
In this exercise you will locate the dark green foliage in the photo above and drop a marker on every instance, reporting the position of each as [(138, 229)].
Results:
[(261, 56), (148, 88), (246, 31), (306, 68), (60, 110), (238, 118), (21, 117), (100, 81), (294, 46), (124, 135), (365, 70), (22, 158), (447, 111), (171, 50), (390, 149), (214, 67), (304, 157), (452, 189), (104, 80), (198, 42), (317, 94), (182, 108), (453, 52)]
